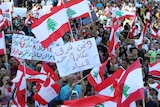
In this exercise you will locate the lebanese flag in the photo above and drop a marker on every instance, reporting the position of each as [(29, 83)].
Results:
[(154, 33), (114, 40), (29, 18), (154, 69), (3, 20), (109, 87), (113, 104), (75, 10), (96, 76), (19, 93), (131, 35), (139, 42), (3, 45), (19, 98), (30, 75), (131, 85), (156, 86), (53, 24), (120, 15), (47, 92), (88, 101), (47, 70)]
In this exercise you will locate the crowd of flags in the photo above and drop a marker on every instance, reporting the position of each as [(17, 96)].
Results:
[(121, 89)]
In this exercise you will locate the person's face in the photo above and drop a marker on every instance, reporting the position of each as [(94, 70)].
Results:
[(3, 71), (150, 81), (74, 96), (146, 62), (12, 61), (38, 67), (124, 64), (5, 80), (130, 56), (156, 46), (134, 51), (34, 90)]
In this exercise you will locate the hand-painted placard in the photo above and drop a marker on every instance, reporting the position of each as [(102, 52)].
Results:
[(77, 56), (42, 54), (22, 46)]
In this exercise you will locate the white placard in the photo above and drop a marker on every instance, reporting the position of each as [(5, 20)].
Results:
[(47, 9), (22, 46), (19, 11), (42, 54), (77, 56), (5, 6), (7, 9)]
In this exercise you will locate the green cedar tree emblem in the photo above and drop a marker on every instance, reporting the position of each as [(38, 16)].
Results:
[(51, 24), (95, 74), (111, 88), (125, 90), (100, 105), (70, 12), (117, 34), (119, 13)]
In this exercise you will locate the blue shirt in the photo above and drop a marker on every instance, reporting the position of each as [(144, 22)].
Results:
[(65, 90)]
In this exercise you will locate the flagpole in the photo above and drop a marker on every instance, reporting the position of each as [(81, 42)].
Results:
[(25, 80), (71, 35), (6, 57), (82, 79), (143, 102)]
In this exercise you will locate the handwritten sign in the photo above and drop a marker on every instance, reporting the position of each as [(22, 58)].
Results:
[(77, 56), (42, 54), (19, 11), (22, 46)]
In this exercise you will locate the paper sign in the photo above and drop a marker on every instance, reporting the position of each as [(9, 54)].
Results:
[(77, 56), (19, 11), (5, 6), (22, 46), (7, 9), (42, 54)]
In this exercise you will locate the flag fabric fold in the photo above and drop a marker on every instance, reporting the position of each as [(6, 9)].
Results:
[(131, 88), (139, 42), (154, 69), (3, 45), (74, 9), (51, 26), (114, 40), (96, 75), (47, 70), (48, 91)]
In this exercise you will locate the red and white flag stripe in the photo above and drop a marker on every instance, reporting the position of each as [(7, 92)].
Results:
[(154, 69), (3, 45)]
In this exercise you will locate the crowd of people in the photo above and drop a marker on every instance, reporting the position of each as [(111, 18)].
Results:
[(148, 12)]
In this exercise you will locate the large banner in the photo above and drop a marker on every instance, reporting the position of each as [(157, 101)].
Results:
[(22, 46), (77, 56), (45, 54), (17, 11)]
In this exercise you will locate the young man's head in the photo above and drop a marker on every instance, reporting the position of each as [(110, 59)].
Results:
[(125, 63), (157, 46)]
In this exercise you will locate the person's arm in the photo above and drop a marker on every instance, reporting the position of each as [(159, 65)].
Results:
[(2, 92)]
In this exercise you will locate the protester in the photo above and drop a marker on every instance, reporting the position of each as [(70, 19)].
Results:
[(131, 42)]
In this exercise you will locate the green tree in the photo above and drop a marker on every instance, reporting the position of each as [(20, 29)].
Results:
[(51, 24), (70, 12)]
